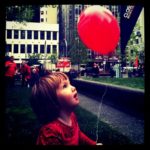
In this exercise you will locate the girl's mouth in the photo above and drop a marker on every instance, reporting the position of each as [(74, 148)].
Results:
[(76, 96)]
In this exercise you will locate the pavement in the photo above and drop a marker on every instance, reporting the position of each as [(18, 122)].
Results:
[(126, 124)]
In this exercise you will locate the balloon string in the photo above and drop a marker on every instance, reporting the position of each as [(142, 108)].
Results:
[(99, 111)]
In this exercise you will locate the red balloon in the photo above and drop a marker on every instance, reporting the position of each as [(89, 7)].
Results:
[(98, 29)]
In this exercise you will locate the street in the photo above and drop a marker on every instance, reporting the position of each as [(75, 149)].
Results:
[(126, 124)]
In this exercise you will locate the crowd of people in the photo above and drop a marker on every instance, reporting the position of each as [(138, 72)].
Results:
[(27, 74), (30, 74), (113, 70)]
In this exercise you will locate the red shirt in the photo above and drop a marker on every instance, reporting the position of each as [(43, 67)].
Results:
[(57, 133), (26, 71), (10, 68)]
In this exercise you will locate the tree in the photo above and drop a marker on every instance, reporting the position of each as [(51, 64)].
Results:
[(20, 13), (23, 13), (53, 59), (33, 59), (133, 47), (78, 52)]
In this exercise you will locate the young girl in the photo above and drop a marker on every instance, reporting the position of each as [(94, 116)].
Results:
[(54, 99)]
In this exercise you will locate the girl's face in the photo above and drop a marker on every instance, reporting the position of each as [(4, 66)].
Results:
[(67, 95)]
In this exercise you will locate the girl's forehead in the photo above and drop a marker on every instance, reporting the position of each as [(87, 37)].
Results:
[(64, 80)]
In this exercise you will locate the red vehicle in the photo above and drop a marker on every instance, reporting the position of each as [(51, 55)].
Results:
[(63, 64)]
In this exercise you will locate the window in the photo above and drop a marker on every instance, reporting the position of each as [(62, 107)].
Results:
[(54, 49), (8, 48), (35, 34), (22, 34), (48, 49), (41, 48), (42, 19), (29, 48), (35, 49), (54, 35), (29, 34), (42, 35), (16, 34), (48, 35), (76, 10), (15, 48), (22, 49), (9, 34), (42, 12)]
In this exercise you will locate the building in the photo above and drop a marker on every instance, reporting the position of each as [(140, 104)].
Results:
[(48, 14), (24, 39)]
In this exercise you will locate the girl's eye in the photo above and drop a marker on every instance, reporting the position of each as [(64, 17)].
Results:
[(64, 86)]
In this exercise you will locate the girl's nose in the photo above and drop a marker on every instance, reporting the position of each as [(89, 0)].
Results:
[(73, 88)]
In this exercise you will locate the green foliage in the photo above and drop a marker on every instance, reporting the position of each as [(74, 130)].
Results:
[(53, 58), (33, 59), (19, 13), (78, 52), (137, 83), (132, 48), (21, 123)]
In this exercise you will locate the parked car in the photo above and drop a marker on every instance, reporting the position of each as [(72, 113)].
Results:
[(89, 71), (82, 69)]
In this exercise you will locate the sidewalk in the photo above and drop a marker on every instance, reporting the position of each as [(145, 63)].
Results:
[(124, 123)]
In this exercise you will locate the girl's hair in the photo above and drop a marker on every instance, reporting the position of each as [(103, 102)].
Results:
[(44, 98)]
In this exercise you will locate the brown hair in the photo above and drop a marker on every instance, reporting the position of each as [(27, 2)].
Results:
[(44, 98)]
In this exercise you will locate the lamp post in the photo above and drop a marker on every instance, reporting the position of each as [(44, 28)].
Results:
[(66, 46), (78, 55)]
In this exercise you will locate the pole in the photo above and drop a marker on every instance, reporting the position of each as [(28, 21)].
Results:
[(45, 54), (66, 46), (25, 51), (78, 56)]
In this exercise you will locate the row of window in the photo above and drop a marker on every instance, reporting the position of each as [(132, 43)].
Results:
[(42, 19), (29, 34), (31, 48)]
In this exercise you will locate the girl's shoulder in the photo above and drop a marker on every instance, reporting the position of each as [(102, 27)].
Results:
[(53, 127)]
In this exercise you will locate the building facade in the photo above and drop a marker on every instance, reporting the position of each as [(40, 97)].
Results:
[(48, 14), (31, 38)]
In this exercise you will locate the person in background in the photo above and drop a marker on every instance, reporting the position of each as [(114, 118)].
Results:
[(34, 76), (10, 71), (54, 99), (26, 74), (112, 72), (95, 70)]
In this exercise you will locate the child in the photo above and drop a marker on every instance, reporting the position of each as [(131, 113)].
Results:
[(54, 99)]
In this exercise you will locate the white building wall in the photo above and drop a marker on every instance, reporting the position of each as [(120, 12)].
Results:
[(48, 14), (32, 27)]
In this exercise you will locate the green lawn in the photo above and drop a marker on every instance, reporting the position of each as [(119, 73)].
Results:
[(22, 126), (136, 82)]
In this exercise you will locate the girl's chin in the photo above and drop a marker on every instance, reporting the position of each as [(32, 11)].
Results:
[(76, 104)]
